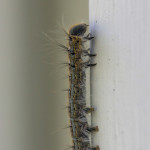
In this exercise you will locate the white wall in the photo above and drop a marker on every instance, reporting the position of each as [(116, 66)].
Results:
[(120, 82)]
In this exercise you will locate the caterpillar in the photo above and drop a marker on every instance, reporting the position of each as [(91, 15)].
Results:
[(80, 129)]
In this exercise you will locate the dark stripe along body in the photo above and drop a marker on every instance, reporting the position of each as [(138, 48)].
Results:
[(77, 101)]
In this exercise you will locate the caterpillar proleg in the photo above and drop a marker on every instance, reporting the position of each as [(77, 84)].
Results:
[(80, 129)]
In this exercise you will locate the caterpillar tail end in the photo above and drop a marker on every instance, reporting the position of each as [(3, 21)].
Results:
[(92, 109), (97, 148), (96, 129)]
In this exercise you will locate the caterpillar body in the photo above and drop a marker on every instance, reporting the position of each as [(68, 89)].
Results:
[(77, 108)]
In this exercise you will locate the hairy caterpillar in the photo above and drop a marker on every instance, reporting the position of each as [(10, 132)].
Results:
[(77, 108)]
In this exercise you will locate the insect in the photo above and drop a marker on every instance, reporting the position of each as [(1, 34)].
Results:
[(80, 130)]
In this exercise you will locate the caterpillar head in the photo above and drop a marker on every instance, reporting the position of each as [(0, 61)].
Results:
[(78, 30)]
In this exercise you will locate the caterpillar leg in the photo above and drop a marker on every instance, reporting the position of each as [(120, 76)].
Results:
[(92, 129), (89, 37), (91, 65), (94, 148), (87, 53), (91, 55), (88, 110), (91, 148), (88, 64)]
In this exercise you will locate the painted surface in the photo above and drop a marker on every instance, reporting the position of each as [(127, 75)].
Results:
[(32, 114), (120, 83)]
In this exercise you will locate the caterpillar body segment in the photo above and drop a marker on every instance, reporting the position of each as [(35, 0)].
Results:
[(78, 110)]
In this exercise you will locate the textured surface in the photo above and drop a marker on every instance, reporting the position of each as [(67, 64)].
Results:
[(121, 81)]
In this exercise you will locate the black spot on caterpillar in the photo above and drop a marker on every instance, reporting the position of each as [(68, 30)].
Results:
[(77, 108)]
